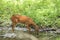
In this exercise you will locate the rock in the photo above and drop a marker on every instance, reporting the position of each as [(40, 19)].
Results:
[(19, 35), (9, 35), (22, 35), (58, 31)]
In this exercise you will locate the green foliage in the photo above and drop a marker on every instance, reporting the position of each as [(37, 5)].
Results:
[(43, 12)]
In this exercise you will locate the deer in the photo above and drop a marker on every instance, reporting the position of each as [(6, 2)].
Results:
[(16, 18)]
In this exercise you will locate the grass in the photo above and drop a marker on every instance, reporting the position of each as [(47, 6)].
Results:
[(43, 12)]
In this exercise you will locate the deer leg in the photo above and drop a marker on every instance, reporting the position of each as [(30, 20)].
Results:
[(28, 28), (13, 25)]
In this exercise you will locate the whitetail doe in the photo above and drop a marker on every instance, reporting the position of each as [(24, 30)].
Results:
[(25, 20)]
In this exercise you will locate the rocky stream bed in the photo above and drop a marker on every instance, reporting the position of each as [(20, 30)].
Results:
[(22, 34)]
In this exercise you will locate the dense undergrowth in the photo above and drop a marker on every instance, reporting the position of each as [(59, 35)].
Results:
[(45, 13)]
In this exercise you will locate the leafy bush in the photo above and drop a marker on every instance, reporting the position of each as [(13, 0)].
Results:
[(43, 12)]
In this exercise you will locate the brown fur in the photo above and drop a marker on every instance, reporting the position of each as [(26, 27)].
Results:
[(23, 19)]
